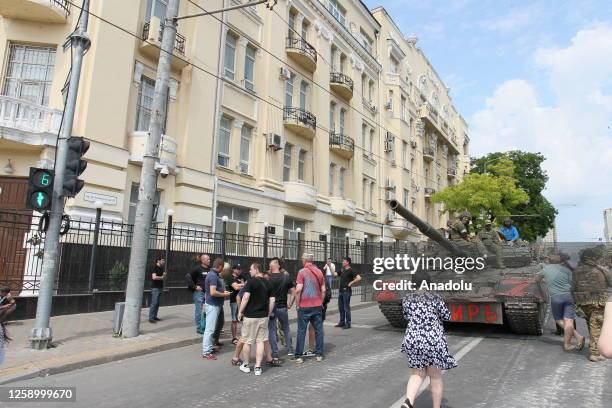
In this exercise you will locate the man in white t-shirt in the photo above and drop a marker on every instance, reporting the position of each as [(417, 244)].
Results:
[(330, 271)]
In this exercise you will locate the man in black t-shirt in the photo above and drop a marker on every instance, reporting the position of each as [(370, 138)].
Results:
[(195, 283), (282, 287), (348, 278), (157, 287), (257, 306), (235, 282)]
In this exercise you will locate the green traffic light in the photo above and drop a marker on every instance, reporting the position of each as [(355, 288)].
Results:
[(40, 199)]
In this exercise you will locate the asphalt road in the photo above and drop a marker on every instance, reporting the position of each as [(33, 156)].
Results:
[(363, 368)]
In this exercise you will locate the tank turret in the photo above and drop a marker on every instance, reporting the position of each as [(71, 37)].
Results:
[(425, 228)]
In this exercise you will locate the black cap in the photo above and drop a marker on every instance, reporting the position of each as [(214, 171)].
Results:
[(236, 266)]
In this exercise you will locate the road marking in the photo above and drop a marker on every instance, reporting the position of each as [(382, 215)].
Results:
[(471, 344)]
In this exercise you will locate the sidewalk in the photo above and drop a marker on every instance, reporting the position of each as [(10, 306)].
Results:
[(85, 340)]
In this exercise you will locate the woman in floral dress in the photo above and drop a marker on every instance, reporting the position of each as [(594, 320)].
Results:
[(425, 344)]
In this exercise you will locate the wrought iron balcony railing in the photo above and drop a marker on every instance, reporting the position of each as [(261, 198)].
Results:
[(340, 78), (342, 141), (301, 116), (179, 41), (303, 46)]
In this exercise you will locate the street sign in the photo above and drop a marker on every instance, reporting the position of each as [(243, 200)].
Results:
[(40, 189)]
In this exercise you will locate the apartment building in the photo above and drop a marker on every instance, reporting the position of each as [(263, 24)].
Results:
[(324, 111), (426, 145)]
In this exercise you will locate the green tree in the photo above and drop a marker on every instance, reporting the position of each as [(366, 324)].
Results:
[(537, 216), (484, 195)]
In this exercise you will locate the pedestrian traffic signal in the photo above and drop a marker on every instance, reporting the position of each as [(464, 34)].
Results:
[(40, 189), (75, 165)]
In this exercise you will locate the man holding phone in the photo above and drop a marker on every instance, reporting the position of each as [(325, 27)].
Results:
[(213, 304)]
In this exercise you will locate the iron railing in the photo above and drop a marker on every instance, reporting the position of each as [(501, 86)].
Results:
[(340, 140), (340, 78), (300, 116), (428, 151), (179, 41), (63, 4), (298, 43)]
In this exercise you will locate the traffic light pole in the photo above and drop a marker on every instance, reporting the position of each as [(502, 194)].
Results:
[(148, 181), (42, 335)]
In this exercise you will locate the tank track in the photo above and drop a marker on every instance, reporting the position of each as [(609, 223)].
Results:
[(393, 313), (526, 318)]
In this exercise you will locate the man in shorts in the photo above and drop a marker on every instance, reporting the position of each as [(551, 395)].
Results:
[(558, 280), (256, 307)]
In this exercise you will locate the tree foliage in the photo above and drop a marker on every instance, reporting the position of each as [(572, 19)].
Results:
[(537, 216)]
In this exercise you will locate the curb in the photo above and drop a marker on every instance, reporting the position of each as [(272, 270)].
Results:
[(63, 368)]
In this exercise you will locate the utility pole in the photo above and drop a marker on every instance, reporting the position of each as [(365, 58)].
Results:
[(148, 181), (41, 335)]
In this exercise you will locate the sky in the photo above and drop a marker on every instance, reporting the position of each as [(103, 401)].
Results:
[(534, 76)]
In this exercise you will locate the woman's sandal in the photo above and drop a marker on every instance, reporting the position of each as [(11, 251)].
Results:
[(275, 362), (407, 404), (234, 341), (236, 361), (580, 344)]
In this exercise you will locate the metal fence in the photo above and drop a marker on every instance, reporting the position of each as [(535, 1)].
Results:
[(22, 246)]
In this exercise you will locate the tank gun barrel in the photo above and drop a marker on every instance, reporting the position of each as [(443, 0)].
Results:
[(425, 228)]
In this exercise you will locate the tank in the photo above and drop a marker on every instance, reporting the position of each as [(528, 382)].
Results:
[(511, 296)]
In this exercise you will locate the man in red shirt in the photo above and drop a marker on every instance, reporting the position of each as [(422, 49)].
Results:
[(309, 294)]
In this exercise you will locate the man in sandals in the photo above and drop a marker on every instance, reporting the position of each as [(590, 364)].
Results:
[(558, 280)]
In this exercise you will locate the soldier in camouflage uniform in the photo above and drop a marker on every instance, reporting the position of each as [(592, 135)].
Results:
[(589, 289), (460, 235), (492, 242)]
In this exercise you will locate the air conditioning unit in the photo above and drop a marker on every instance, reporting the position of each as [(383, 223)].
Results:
[(393, 163), (285, 73), (389, 105), (388, 146), (389, 137), (389, 185), (275, 141), (413, 144)]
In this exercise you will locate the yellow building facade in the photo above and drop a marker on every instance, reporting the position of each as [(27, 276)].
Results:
[(307, 118)]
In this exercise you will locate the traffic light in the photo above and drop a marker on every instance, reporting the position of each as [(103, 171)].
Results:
[(40, 189), (75, 165)]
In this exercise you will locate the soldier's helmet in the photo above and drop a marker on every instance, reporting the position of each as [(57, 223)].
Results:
[(488, 222), (508, 220), (589, 254), (465, 214)]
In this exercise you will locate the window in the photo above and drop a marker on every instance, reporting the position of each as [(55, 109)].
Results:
[(364, 86), (364, 194), (406, 197), (390, 100), (245, 148), (287, 162), (405, 154), (303, 93), (29, 73), (366, 41), (372, 191), (289, 92), (341, 175), (301, 164), (332, 170), (343, 63), (371, 142), (291, 24), (230, 56), (144, 105), (134, 204), (225, 134), (394, 65), (305, 27), (364, 135), (293, 238), (249, 67), (403, 107), (371, 90), (332, 116), (337, 11), (342, 120), (334, 53), (156, 8), (238, 222)]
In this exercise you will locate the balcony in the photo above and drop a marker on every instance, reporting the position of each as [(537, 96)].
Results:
[(29, 123), (429, 191), (300, 194), (302, 52), (400, 228), (341, 84), (428, 153), (44, 11), (152, 33), (167, 149), (300, 121), (341, 144), (451, 172), (342, 207)]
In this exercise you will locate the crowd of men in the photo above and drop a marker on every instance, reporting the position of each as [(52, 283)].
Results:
[(260, 300)]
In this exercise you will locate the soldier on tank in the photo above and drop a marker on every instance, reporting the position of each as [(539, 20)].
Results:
[(492, 242), (460, 235), (589, 289)]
